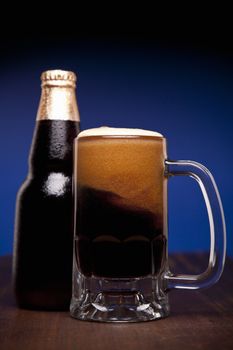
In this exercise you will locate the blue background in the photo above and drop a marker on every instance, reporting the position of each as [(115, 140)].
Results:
[(183, 91)]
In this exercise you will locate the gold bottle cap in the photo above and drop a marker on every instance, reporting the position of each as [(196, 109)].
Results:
[(58, 77), (58, 99)]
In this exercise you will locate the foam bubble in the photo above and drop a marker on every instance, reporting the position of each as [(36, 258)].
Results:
[(106, 131)]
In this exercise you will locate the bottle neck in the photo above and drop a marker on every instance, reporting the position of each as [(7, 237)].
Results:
[(58, 102), (52, 147)]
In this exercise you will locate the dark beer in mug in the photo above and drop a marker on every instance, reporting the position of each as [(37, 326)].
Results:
[(119, 217)]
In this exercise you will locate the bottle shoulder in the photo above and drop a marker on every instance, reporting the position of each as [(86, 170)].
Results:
[(51, 184)]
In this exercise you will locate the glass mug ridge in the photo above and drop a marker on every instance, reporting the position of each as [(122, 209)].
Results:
[(120, 265)]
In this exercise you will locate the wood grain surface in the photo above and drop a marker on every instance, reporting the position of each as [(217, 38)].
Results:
[(198, 320)]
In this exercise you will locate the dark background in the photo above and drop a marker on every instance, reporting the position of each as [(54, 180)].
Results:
[(166, 75)]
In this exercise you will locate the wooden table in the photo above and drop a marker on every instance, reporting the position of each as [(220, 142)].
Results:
[(198, 320)]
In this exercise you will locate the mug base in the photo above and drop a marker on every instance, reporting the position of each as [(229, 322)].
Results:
[(116, 304)]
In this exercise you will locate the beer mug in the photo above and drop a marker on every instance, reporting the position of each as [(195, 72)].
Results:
[(120, 265)]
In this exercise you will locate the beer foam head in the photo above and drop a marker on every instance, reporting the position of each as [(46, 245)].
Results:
[(106, 131)]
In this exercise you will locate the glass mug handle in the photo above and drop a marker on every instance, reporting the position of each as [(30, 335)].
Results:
[(216, 221)]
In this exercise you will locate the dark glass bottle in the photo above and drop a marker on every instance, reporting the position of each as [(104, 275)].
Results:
[(42, 261)]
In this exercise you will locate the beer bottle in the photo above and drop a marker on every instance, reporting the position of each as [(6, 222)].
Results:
[(42, 259)]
